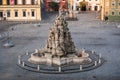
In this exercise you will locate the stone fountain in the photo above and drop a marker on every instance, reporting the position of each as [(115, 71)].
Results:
[(59, 49)]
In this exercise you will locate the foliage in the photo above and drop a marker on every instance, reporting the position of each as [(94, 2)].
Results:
[(54, 6)]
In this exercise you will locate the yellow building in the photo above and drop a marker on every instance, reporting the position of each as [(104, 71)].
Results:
[(20, 10), (110, 9)]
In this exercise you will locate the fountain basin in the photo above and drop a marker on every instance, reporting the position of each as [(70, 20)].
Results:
[(50, 60)]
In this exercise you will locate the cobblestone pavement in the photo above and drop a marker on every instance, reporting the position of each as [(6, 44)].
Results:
[(88, 32)]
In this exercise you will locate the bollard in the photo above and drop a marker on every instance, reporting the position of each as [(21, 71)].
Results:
[(38, 67), (99, 61), (27, 52), (0, 36), (95, 63), (59, 68), (19, 61), (80, 67), (93, 51), (23, 64)]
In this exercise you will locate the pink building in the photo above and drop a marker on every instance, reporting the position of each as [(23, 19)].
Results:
[(60, 4)]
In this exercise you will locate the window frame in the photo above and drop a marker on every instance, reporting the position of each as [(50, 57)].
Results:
[(32, 13), (8, 13), (16, 13), (24, 14)]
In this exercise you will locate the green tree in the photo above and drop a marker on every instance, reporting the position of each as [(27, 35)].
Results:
[(54, 6)]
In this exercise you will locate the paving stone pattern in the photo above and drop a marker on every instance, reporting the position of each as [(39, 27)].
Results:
[(88, 32)]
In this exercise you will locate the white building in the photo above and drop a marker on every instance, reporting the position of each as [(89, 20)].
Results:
[(93, 5)]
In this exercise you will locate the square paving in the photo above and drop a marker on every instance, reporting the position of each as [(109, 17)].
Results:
[(88, 32)]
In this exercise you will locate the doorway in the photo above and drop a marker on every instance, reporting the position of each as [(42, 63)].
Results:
[(83, 8), (96, 8), (1, 15)]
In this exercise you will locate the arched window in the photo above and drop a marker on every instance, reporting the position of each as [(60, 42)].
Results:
[(8, 13)]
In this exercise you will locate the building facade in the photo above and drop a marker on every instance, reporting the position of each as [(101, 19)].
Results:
[(110, 9), (92, 5), (55, 5), (20, 10)]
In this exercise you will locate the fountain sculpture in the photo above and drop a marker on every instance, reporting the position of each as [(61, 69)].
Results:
[(60, 49)]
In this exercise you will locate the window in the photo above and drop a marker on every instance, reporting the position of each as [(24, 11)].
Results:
[(113, 3), (1, 14), (32, 2), (8, 13), (113, 13), (0, 2), (8, 2), (24, 13), (15, 2), (16, 13), (33, 13), (106, 13), (119, 3), (23, 2)]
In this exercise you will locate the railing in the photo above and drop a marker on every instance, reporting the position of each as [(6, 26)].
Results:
[(23, 62)]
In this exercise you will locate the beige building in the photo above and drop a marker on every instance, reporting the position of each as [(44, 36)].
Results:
[(110, 10), (20, 10)]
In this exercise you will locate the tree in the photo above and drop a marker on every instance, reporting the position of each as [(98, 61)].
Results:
[(54, 6)]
